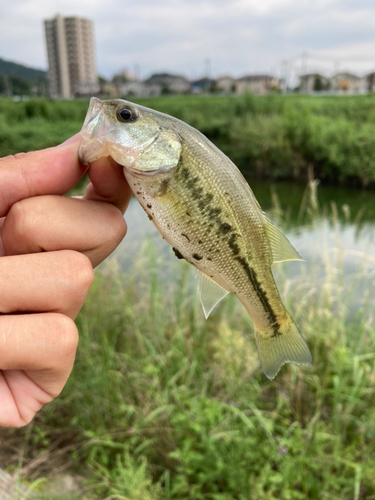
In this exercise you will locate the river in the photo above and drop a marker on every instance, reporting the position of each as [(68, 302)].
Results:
[(335, 234)]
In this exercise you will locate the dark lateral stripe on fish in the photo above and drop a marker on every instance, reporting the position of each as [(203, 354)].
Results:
[(262, 295), (223, 228), (197, 193)]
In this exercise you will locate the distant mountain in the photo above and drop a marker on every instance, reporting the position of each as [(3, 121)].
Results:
[(13, 69)]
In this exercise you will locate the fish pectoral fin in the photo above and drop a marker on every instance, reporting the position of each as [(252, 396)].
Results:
[(281, 247), (210, 293)]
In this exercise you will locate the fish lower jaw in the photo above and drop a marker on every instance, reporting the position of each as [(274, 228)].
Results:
[(90, 151)]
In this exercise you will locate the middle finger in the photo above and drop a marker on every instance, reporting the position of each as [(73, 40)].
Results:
[(49, 223)]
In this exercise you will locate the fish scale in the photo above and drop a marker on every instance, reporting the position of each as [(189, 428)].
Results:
[(204, 208), (227, 269)]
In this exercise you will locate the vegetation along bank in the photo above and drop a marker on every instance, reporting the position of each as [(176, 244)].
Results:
[(275, 137)]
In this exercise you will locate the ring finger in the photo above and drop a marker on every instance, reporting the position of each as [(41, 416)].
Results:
[(45, 282)]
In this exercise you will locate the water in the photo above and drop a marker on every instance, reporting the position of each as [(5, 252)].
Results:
[(336, 236)]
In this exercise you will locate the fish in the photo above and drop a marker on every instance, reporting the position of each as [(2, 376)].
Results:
[(204, 208)]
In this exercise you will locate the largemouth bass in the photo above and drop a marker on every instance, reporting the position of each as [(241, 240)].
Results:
[(204, 208)]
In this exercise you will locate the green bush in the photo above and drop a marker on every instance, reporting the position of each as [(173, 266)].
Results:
[(268, 137)]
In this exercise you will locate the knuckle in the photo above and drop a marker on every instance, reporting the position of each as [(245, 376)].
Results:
[(22, 223), (81, 274), (67, 334), (11, 158), (117, 227), (19, 156), (17, 214), (60, 354), (17, 226)]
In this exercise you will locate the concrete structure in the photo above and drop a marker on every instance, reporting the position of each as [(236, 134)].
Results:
[(348, 83), (313, 82), (71, 57), (257, 84)]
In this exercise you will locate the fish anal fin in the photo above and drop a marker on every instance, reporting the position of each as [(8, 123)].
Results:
[(210, 293), (276, 350), (281, 247)]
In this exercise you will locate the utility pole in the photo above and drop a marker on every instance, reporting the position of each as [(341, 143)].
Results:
[(284, 64), (287, 67), (208, 72), (304, 62)]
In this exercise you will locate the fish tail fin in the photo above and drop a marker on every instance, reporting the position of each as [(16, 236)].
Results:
[(285, 346)]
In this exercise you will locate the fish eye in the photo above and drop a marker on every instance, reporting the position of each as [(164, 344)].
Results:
[(127, 114)]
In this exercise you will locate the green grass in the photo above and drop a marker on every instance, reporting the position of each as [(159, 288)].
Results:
[(165, 405)]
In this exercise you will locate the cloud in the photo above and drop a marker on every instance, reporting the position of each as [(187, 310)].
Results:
[(240, 36)]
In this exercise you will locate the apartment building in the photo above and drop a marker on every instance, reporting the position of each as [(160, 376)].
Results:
[(71, 57)]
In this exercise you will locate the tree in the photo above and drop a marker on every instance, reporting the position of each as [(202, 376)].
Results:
[(318, 84)]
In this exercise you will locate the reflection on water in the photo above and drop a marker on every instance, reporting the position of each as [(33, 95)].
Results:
[(339, 238), (352, 204)]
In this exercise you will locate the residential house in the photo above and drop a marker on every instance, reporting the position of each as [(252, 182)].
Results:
[(257, 84), (108, 89), (313, 82), (173, 84), (203, 85), (226, 84), (125, 75), (139, 89), (130, 89), (348, 83)]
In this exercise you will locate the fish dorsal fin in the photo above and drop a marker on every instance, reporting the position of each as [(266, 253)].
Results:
[(281, 247), (210, 293)]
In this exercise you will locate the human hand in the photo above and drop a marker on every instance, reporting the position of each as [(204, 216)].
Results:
[(48, 247)]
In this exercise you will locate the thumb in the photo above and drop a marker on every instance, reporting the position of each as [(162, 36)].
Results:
[(49, 171)]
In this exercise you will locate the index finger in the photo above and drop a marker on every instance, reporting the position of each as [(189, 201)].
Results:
[(108, 183), (49, 171)]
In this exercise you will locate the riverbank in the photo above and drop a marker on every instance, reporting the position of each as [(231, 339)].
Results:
[(163, 404), (270, 137)]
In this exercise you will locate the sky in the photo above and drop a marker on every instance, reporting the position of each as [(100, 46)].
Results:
[(196, 37)]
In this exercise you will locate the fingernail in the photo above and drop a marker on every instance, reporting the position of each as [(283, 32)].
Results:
[(71, 140)]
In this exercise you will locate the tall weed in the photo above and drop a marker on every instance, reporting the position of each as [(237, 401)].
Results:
[(156, 382)]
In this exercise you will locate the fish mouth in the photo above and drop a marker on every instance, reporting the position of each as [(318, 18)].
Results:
[(99, 140), (90, 150), (95, 125)]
